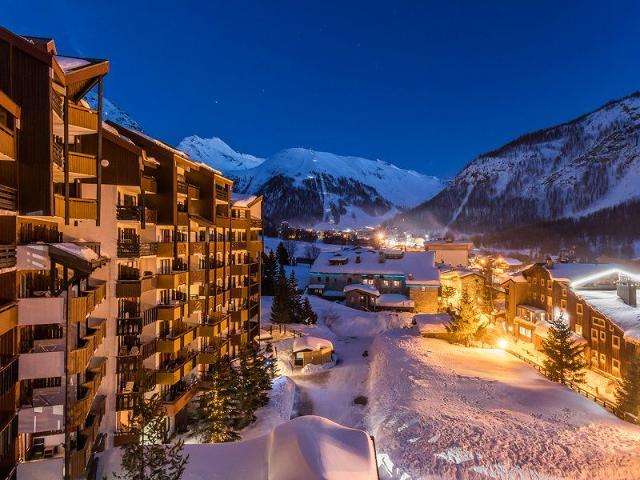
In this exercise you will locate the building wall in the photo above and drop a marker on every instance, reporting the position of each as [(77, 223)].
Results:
[(425, 299)]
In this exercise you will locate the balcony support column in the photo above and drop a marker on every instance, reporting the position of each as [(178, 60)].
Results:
[(99, 155), (66, 157), (207, 250), (67, 436)]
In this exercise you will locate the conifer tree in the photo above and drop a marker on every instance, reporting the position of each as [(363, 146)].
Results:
[(147, 456), (217, 406), (465, 324), (282, 255), (628, 391), (250, 397), (269, 271), (294, 298), (281, 305), (306, 313), (564, 362)]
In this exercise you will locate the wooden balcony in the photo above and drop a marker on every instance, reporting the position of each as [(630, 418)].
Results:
[(170, 312), (213, 353), (196, 305), (240, 292), (79, 357), (239, 245), (193, 192), (8, 317), (81, 407), (176, 341), (178, 370), (148, 184), (7, 143), (85, 304), (7, 256), (217, 326), (83, 117), (8, 198), (82, 164), (240, 316), (135, 288), (240, 269), (239, 223), (196, 276), (174, 405), (171, 280), (256, 223), (79, 208), (197, 248), (82, 455)]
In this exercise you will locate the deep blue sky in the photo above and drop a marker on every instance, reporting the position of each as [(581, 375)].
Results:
[(426, 86)]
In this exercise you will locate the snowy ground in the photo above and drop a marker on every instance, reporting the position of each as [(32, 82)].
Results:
[(443, 411)]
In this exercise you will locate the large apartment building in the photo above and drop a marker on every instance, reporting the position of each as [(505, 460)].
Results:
[(126, 268), (598, 301)]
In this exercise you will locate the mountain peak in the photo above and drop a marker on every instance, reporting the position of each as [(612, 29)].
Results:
[(218, 154)]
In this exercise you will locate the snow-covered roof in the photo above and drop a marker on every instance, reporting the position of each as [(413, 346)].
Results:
[(67, 64), (362, 288), (302, 344), (416, 267), (512, 262), (394, 300), (432, 322), (242, 200), (519, 278), (575, 271), (308, 447), (610, 305), (316, 286), (333, 294), (79, 251)]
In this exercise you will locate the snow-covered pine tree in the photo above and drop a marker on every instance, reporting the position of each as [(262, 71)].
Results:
[(217, 408), (147, 456), (249, 397), (628, 391), (465, 322), (564, 362), (306, 312)]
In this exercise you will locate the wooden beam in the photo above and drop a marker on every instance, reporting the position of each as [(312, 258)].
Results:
[(99, 155)]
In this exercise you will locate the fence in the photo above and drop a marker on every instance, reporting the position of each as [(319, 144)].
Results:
[(613, 408)]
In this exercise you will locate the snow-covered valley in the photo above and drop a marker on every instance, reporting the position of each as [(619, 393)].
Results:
[(442, 411)]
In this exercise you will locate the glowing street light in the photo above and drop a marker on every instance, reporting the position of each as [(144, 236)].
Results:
[(502, 343)]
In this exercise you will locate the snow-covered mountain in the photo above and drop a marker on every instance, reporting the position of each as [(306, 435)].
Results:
[(112, 112), (217, 153), (570, 170), (310, 188)]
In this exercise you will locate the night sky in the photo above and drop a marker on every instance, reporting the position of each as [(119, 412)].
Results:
[(426, 86)]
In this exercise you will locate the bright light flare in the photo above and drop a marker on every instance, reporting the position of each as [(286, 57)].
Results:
[(502, 344)]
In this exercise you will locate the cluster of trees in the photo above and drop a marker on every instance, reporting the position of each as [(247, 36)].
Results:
[(289, 305), (232, 392), (149, 455)]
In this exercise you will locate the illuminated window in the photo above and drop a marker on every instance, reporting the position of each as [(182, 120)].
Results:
[(535, 281), (603, 336), (563, 304), (598, 322), (594, 334), (615, 366), (579, 308), (564, 292), (542, 282), (615, 341), (524, 332), (578, 329)]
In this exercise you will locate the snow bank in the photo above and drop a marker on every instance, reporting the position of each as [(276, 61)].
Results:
[(308, 447), (310, 343), (444, 411), (432, 324), (277, 411)]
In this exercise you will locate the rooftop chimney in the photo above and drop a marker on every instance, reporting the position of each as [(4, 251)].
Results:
[(627, 290)]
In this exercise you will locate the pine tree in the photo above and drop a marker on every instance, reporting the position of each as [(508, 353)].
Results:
[(446, 295), (250, 397), (147, 456), (282, 255), (564, 362), (280, 305), (294, 298), (269, 271), (465, 324), (271, 362), (307, 314), (628, 391), (217, 406)]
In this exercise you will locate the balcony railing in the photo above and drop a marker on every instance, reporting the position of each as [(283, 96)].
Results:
[(222, 194), (79, 357), (7, 142), (8, 198), (83, 305), (173, 371), (86, 394), (31, 233), (148, 184), (8, 373), (7, 256), (79, 208), (83, 117), (176, 340)]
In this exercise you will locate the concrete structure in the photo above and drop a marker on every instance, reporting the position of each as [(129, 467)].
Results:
[(126, 268)]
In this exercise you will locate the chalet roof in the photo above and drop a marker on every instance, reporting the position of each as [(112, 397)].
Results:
[(394, 300), (609, 304), (243, 200), (574, 271), (302, 344), (359, 287)]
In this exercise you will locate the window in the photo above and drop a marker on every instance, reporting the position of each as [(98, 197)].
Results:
[(615, 366), (563, 304), (524, 332), (535, 281), (396, 283), (598, 322), (594, 334), (579, 308), (549, 302), (542, 282), (615, 341), (603, 336), (603, 360), (564, 292), (385, 283), (578, 329), (542, 297)]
